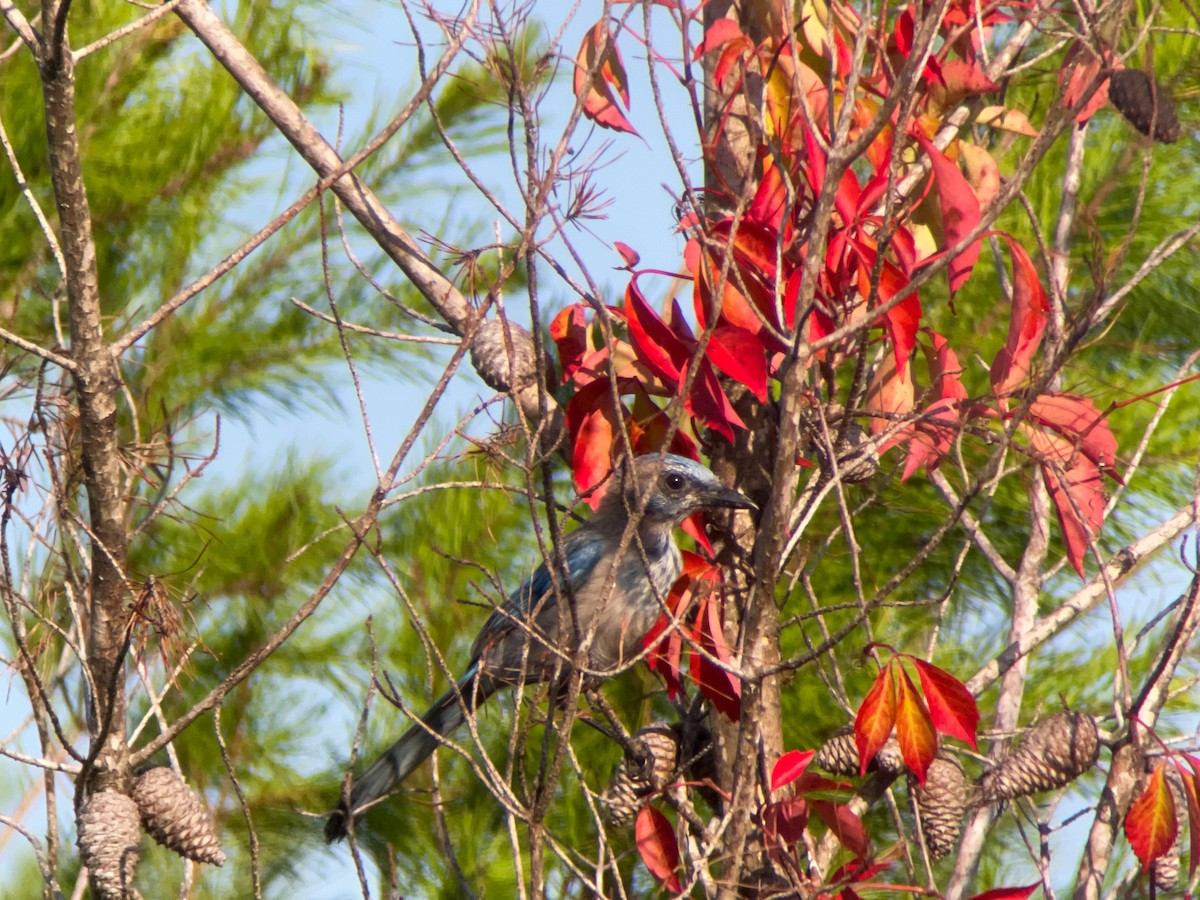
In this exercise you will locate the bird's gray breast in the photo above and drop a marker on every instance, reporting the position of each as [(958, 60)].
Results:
[(623, 619)]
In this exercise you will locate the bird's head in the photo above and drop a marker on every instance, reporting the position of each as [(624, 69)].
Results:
[(676, 487)]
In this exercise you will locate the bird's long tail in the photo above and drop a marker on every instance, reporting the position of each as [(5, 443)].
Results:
[(401, 759)]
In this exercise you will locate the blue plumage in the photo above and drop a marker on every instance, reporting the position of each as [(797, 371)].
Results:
[(615, 595)]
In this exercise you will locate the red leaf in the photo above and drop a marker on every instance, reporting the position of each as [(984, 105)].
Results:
[(717, 684), (1077, 419), (846, 826), (914, 726), (599, 103), (1150, 824), (655, 343), (789, 767), (960, 210), (698, 575), (708, 402), (853, 872), (1014, 893), (1076, 490), (666, 656), (656, 844), (945, 371), (932, 437), (593, 424), (1025, 325), (770, 200), (739, 355), (649, 424), (903, 320), (628, 254), (875, 718), (718, 34), (964, 78), (811, 783), (785, 820), (951, 705)]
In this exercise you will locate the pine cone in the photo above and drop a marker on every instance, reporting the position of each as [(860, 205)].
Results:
[(1054, 752), (839, 755), (1165, 869), (490, 356), (635, 778), (941, 802), (108, 840), (1135, 96), (175, 817)]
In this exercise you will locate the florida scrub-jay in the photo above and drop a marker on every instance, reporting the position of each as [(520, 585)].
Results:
[(522, 641)]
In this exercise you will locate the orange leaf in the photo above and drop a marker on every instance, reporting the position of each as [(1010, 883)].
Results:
[(599, 103), (1007, 120), (914, 726), (1150, 824), (569, 331), (951, 705), (656, 844), (876, 717)]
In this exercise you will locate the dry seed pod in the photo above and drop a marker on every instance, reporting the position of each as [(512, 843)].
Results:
[(491, 358), (175, 817), (1054, 752), (839, 755), (1136, 96), (941, 802), (857, 459), (109, 834), (635, 778)]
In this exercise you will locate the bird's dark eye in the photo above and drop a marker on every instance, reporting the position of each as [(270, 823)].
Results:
[(674, 481)]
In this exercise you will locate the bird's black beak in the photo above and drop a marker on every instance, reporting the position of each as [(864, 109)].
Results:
[(728, 498)]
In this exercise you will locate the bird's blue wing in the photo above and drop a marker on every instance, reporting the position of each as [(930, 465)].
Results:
[(583, 549)]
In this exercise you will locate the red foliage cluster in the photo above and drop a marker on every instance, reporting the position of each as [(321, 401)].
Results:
[(893, 703), (746, 275), (663, 375)]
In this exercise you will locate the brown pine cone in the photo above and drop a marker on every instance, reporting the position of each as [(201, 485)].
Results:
[(839, 755), (108, 840), (1054, 752), (635, 778), (941, 802), (175, 817), (1140, 99)]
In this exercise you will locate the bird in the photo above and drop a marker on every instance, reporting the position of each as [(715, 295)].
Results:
[(617, 599)]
